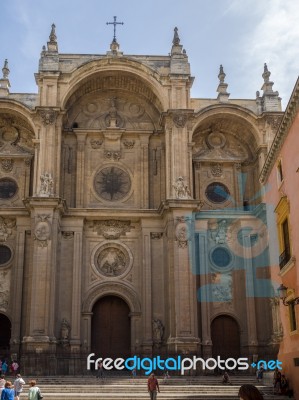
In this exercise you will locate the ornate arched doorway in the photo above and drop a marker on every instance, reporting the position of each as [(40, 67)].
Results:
[(225, 334), (5, 333), (110, 327)]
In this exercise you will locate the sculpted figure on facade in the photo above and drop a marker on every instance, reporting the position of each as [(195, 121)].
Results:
[(6, 225), (181, 189), (158, 331), (47, 185), (65, 329)]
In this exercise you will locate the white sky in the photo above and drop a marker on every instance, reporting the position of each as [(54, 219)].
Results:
[(240, 34)]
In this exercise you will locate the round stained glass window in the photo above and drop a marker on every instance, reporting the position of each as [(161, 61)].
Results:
[(221, 257), (217, 192), (8, 188), (112, 183), (5, 254)]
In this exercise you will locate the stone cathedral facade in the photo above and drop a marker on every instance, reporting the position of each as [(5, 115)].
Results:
[(131, 219)]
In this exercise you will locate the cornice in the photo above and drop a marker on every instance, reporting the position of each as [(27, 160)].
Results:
[(283, 130)]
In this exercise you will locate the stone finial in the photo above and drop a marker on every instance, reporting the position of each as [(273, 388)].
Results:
[(5, 70), (222, 87), (52, 44), (176, 38), (4, 82), (269, 100), (53, 37)]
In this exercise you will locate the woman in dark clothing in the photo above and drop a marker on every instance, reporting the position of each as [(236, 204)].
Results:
[(249, 392)]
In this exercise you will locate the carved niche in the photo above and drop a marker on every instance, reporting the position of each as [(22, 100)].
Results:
[(42, 230), (4, 289), (6, 227)]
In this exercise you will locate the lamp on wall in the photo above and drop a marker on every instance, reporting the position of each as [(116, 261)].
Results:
[(282, 290)]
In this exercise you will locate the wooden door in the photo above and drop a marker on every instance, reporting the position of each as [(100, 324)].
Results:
[(110, 328), (5, 332), (225, 337)]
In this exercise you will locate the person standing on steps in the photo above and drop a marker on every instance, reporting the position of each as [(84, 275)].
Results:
[(153, 386), (18, 386)]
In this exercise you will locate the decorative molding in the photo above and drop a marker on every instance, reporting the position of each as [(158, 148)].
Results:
[(6, 226), (274, 121), (7, 164), (111, 228), (129, 144), (67, 235), (96, 143), (156, 235)]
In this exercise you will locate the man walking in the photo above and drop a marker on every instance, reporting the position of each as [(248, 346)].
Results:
[(18, 386), (153, 386)]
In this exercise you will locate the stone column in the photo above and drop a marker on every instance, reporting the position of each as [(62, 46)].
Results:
[(144, 171), (45, 225), (80, 184), (86, 328)]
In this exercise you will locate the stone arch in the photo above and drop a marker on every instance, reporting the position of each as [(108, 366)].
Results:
[(144, 74), (112, 288)]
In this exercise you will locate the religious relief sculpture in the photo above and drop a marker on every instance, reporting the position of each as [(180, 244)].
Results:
[(96, 143), (181, 189), (216, 169), (6, 225), (112, 262), (4, 290), (42, 230), (65, 330), (47, 185), (48, 116), (158, 331), (277, 335), (112, 228), (129, 144), (182, 233), (179, 120), (7, 164), (218, 232)]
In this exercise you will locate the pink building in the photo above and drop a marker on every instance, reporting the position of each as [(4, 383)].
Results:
[(281, 176)]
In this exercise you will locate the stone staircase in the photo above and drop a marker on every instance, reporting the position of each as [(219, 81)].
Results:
[(126, 388)]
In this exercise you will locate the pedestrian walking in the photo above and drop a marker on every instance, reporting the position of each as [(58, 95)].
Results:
[(2, 384), (153, 386), (34, 392), (18, 386), (8, 391)]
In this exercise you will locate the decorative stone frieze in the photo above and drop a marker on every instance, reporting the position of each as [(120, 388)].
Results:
[(96, 143), (216, 169), (129, 144), (182, 232), (112, 155), (48, 116), (7, 164), (156, 235), (42, 230), (179, 120), (6, 227), (111, 228)]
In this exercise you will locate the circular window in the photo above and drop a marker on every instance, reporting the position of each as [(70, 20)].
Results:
[(112, 183), (221, 257), (8, 188), (5, 254), (217, 192)]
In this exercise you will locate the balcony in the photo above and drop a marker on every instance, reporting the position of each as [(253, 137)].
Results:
[(284, 257)]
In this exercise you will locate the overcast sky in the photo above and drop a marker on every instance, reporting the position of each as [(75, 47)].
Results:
[(240, 34)]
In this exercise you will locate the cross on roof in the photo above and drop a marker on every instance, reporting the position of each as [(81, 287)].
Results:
[(114, 29)]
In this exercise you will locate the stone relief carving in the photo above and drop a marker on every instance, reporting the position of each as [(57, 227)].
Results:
[(7, 164), (48, 116), (6, 226), (182, 233), (179, 120), (111, 228), (181, 189), (158, 331), (129, 144), (218, 231), (42, 230), (47, 185), (216, 169), (112, 155), (96, 143), (156, 235), (274, 121), (277, 335), (112, 261), (4, 289), (221, 287)]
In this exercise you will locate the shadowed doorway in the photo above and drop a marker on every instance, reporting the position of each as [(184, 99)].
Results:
[(110, 328), (5, 333), (225, 336)]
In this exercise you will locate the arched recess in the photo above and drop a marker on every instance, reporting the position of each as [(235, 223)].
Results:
[(111, 290), (16, 153), (225, 335), (111, 328), (226, 145), (5, 334), (112, 115)]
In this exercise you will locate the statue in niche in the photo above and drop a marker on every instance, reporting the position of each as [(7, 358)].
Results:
[(47, 185), (64, 330), (158, 331), (181, 189)]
